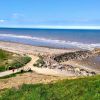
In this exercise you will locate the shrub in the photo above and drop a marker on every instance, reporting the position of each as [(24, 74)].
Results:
[(2, 68), (40, 62), (16, 64), (21, 62)]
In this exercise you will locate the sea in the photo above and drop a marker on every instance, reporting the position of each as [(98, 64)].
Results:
[(58, 38)]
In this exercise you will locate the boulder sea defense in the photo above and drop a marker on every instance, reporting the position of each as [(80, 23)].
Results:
[(72, 55)]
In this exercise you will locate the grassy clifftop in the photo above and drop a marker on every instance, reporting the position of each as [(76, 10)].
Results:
[(9, 60), (4, 55), (77, 89)]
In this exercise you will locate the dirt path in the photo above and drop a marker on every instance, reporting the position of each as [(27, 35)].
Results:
[(44, 71), (47, 71), (39, 75), (26, 67)]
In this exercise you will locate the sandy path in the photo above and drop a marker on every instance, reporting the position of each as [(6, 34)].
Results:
[(26, 67), (31, 51), (45, 71), (54, 72), (39, 75)]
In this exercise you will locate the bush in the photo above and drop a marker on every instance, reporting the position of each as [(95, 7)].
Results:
[(16, 64), (40, 62), (2, 68), (22, 71), (21, 62), (8, 61), (26, 59)]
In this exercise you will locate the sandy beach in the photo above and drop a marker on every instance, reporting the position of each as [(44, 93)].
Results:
[(29, 49), (71, 70), (39, 75), (34, 51)]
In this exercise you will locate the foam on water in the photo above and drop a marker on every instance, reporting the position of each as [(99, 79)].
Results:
[(48, 40)]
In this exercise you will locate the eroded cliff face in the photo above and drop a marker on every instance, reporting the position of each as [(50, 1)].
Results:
[(73, 56)]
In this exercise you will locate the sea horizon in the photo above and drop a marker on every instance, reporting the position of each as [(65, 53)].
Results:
[(55, 27)]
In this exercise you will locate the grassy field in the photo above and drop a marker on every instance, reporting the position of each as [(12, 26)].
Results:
[(4, 55), (77, 89), (10, 60)]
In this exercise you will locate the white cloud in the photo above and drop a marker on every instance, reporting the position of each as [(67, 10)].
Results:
[(17, 15), (2, 21)]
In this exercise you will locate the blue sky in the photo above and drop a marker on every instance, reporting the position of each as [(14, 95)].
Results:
[(43, 13)]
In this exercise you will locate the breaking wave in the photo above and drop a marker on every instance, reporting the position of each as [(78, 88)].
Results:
[(60, 42)]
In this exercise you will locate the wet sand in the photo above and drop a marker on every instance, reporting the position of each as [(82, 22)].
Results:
[(92, 62)]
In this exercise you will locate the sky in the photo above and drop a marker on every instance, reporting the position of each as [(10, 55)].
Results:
[(50, 13)]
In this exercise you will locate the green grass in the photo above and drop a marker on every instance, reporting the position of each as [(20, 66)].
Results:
[(10, 60), (4, 57), (20, 62), (78, 89), (15, 74), (40, 62), (4, 54)]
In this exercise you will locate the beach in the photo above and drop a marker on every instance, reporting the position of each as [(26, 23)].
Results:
[(54, 71), (39, 75), (49, 50), (29, 49), (35, 51)]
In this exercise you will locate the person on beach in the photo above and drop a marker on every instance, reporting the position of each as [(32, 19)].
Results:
[(13, 70)]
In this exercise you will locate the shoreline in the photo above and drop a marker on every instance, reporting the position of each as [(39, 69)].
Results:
[(23, 48), (35, 51), (49, 47)]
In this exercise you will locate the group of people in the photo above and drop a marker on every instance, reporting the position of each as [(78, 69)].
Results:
[(13, 70)]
